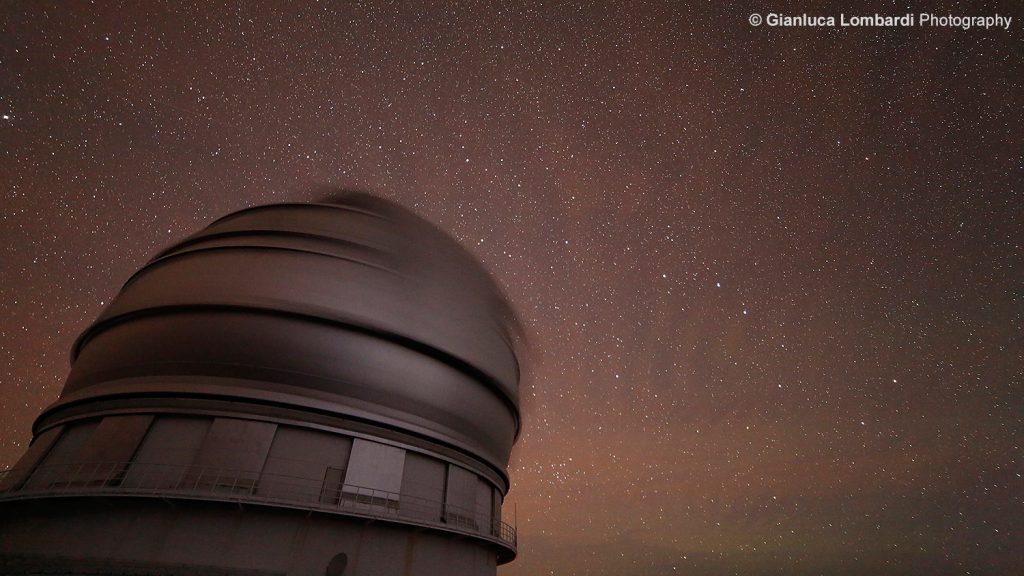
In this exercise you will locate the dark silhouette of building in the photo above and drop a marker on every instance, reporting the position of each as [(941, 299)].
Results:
[(324, 388)]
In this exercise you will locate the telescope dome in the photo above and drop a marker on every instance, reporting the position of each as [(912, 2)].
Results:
[(353, 307)]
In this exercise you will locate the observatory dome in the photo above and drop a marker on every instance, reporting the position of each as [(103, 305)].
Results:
[(353, 308)]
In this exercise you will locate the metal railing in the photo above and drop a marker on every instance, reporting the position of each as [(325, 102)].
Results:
[(208, 483)]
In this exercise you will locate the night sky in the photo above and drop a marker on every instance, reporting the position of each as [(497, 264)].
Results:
[(772, 277)]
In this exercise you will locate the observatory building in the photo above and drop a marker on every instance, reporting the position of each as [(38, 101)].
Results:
[(298, 389)]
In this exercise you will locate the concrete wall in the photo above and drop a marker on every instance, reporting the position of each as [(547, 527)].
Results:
[(120, 535)]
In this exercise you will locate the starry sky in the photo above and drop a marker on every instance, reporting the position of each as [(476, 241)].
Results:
[(772, 277)]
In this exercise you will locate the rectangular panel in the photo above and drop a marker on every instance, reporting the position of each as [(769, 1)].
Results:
[(232, 455), (460, 498), (484, 494), (496, 511), (423, 487), (109, 449), (376, 466), (167, 451), (116, 438), (298, 462), (374, 475), (61, 463), (42, 444)]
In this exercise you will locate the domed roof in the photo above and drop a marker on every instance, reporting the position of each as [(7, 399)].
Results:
[(355, 304)]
